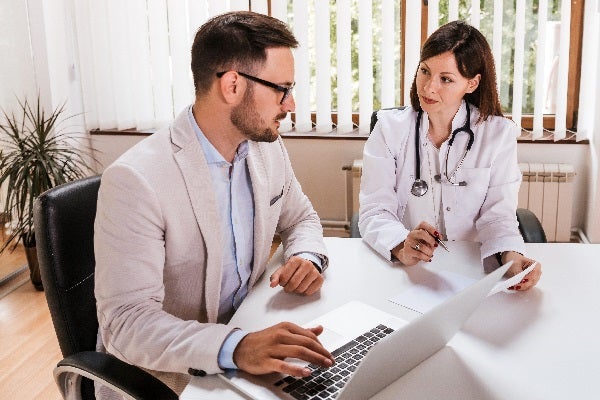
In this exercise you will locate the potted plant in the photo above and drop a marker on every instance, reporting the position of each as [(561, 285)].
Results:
[(36, 154)]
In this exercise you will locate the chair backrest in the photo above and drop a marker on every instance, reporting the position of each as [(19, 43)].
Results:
[(530, 226), (64, 231), (374, 116)]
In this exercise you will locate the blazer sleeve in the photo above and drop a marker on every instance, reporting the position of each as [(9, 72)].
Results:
[(298, 225)]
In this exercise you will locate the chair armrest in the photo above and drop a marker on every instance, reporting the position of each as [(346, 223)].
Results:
[(530, 227), (354, 231), (128, 380)]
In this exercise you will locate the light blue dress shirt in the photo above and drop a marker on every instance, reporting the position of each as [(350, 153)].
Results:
[(233, 190)]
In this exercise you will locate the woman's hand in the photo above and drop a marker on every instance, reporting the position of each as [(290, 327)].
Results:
[(419, 245), (520, 263)]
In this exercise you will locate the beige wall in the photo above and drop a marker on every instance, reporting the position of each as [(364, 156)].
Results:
[(318, 165)]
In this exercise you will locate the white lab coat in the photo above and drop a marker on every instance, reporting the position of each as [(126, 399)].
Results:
[(483, 211)]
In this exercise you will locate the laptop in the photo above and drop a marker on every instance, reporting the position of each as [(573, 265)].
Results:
[(380, 348)]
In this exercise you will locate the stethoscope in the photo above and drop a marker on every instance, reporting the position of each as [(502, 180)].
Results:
[(419, 186)]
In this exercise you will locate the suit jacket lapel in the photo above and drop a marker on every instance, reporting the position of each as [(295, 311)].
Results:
[(189, 156), (260, 189)]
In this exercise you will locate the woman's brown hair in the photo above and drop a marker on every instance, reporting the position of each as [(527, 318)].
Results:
[(473, 56)]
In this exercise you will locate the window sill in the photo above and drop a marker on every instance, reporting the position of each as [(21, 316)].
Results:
[(354, 135)]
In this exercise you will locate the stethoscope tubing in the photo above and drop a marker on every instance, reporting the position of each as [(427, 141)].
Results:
[(419, 186)]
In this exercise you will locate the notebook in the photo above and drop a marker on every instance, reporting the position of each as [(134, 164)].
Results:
[(392, 348)]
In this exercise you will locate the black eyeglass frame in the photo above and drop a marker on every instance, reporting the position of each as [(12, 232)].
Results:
[(287, 91)]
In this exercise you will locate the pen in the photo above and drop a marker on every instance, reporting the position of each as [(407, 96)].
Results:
[(437, 239)]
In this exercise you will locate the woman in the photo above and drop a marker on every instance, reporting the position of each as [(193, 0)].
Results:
[(447, 166)]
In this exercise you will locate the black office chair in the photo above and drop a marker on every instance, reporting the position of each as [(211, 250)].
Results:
[(529, 225), (64, 231)]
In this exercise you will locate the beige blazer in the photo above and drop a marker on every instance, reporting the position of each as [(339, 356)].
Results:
[(158, 247)]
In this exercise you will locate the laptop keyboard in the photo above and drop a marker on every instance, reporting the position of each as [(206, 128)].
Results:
[(325, 383)]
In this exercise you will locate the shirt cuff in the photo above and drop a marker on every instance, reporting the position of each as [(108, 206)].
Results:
[(313, 258), (225, 358)]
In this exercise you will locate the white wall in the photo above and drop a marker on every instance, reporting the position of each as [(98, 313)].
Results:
[(17, 77)]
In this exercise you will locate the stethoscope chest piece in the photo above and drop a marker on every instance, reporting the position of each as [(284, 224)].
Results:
[(419, 187)]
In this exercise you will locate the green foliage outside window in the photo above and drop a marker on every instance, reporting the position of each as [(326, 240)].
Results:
[(508, 37), (486, 27)]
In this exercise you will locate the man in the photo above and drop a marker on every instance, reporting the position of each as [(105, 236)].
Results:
[(186, 218)]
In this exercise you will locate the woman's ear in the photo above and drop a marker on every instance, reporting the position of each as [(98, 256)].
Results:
[(473, 83)]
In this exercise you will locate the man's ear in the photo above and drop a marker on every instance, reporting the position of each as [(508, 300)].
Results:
[(473, 83), (231, 87)]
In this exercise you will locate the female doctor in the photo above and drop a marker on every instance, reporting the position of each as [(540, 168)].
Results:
[(447, 166)]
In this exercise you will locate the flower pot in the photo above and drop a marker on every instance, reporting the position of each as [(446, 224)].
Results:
[(34, 267)]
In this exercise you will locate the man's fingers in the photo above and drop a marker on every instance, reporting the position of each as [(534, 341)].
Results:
[(317, 330), (274, 279), (290, 369), (282, 275), (303, 279), (307, 354), (297, 275), (314, 286), (305, 344), (264, 351)]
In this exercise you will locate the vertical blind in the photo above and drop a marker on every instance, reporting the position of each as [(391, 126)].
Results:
[(590, 73), (134, 57), (551, 61)]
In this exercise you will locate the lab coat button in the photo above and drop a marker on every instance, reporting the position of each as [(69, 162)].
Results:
[(448, 209)]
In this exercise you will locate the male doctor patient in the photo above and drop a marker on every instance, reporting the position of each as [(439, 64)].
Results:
[(186, 219)]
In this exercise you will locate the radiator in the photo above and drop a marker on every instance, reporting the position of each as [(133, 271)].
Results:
[(353, 174), (546, 190)]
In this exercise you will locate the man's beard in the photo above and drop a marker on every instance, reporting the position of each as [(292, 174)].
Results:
[(249, 122)]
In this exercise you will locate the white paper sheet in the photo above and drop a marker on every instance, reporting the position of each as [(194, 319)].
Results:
[(504, 285), (438, 287)]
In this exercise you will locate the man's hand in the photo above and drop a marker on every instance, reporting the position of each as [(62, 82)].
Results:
[(263, 352), (297, 275)]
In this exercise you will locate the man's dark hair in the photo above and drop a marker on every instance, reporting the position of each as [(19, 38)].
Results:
[(473, 56), (235, 41)]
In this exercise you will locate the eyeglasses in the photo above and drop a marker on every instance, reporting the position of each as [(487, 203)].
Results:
[(287, 91)]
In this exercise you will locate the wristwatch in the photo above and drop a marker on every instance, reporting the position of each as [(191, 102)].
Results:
[(499, 256)]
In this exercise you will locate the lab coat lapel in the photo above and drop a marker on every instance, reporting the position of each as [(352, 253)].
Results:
[(460, 141)]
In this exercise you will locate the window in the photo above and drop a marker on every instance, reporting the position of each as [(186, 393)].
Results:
[(355, 56), (538, 87)]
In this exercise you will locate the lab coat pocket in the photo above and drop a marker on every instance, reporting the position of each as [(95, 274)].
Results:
[(467, 200)]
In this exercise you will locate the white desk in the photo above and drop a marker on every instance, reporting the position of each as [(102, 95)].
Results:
[(539, 344)]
